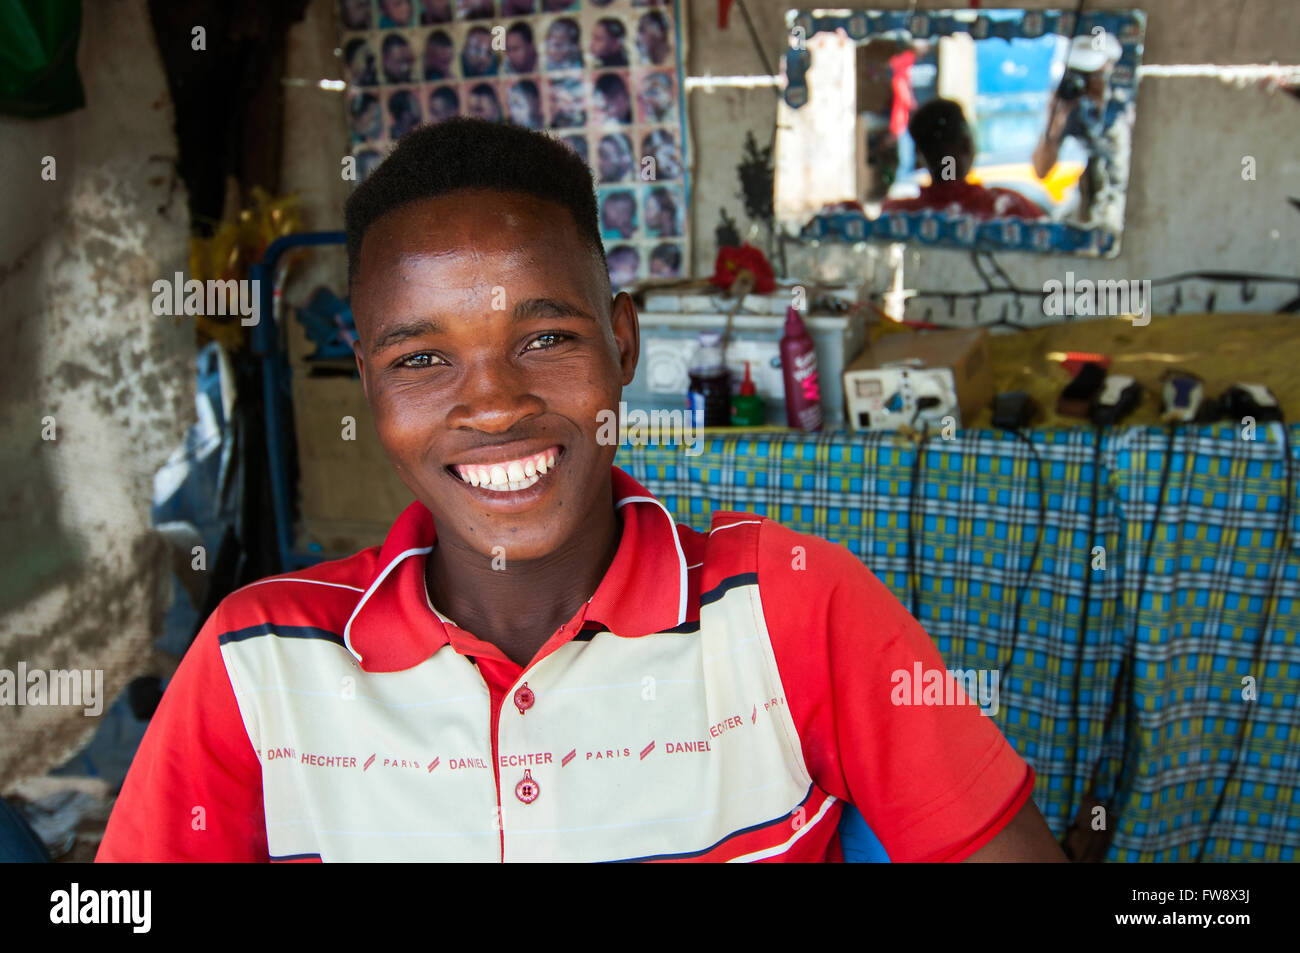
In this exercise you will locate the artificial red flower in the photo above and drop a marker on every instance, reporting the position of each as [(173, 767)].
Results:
[(731, 262)]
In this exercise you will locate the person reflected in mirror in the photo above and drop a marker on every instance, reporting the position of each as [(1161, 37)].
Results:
[(944, 140), (1078, 109)]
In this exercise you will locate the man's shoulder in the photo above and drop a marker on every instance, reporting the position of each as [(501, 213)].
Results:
[(784, 559), (322, 597)]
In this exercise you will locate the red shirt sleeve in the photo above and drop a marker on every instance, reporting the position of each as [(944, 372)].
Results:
[(194, 790), (935, 782)]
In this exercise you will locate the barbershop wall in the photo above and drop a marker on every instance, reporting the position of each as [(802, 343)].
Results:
[(1188, 207), (85, 581)]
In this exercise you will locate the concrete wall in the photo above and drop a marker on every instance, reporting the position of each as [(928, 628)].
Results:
[(85, 581), (1188, 207)]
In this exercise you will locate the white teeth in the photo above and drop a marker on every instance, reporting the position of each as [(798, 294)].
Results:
[(507, 477)]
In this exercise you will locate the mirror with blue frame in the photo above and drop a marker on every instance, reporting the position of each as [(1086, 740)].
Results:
[(984, 129)]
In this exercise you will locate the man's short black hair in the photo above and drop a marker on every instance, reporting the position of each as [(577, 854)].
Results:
[(522, 29), (939, 129), (463, 153)]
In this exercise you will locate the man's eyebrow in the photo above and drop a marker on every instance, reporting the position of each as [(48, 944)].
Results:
[(549, 308), (403, 332)]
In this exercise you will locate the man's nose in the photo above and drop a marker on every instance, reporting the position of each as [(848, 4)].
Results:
[(494, 397)]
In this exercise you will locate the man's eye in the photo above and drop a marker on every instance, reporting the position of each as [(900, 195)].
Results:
[(423, 359), (543, 341)]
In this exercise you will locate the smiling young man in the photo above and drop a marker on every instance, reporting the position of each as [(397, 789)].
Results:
[(539, 663)]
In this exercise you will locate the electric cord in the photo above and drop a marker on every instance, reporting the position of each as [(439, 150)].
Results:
[(914, 584), (1005, 667), (1270, 605), (1083, 623), (1123, 684)]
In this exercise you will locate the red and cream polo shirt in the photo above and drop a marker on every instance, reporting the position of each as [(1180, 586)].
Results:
[(720, 697)]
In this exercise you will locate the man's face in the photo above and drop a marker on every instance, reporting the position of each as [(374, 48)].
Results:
[(613, 164), (398, 60), (656, 97), (484, 106), (653, 212), (362, 66), (487, 336), (521, 107), (521, 53), (441, 108), (356, 13), (437, 59), (652, 39), (618, 214), (559, 43), (478, 51), (602, 42), (367, 124), (399, 11)]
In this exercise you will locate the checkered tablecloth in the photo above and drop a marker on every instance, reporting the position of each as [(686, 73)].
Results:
[(1205, 594)]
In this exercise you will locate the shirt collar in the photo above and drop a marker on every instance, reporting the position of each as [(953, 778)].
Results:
[(393, 626)]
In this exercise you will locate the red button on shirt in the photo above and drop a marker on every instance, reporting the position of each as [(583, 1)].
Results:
[(524, 698)]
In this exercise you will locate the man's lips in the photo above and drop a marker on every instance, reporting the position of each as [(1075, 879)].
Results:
[(508, 475)]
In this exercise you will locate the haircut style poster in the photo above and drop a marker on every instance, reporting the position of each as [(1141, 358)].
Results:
[(603, 76)]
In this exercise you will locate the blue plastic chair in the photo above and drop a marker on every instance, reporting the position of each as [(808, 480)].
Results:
[(858, 841)]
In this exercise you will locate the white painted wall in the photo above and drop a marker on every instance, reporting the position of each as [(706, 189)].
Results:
[(77, 258)]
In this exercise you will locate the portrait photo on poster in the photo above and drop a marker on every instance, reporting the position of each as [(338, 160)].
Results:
[(602, 76)]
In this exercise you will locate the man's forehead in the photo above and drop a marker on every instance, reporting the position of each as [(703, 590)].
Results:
[(520, 237)]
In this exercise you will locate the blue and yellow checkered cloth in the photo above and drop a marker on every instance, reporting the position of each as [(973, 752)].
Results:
[(1217, 572)]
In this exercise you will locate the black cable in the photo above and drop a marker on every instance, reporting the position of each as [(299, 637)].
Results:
[(915, 586), (1252, 704), (1124, 678), (1029, 573), (1083, 622)]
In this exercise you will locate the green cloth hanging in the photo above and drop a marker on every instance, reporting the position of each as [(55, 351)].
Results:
[(38, 58)]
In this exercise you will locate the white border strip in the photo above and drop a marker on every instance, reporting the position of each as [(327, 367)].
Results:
[(681, 556), (347, 629), (782, 848)]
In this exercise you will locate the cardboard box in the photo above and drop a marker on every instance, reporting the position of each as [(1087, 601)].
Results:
[(950, 371)]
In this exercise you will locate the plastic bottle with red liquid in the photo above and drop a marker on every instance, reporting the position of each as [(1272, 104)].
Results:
[(803, 397), (709, 394)]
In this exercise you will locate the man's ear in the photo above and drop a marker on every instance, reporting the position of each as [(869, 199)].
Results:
[(627, 334)]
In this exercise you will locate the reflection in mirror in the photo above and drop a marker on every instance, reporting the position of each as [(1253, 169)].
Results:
[(993, 129)]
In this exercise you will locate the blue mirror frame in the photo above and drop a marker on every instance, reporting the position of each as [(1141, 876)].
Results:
[(943, 229)]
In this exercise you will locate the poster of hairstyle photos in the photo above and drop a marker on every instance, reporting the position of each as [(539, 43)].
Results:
[(603, 76)]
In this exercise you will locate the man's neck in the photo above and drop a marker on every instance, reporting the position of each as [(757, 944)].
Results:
[(520, 605)]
